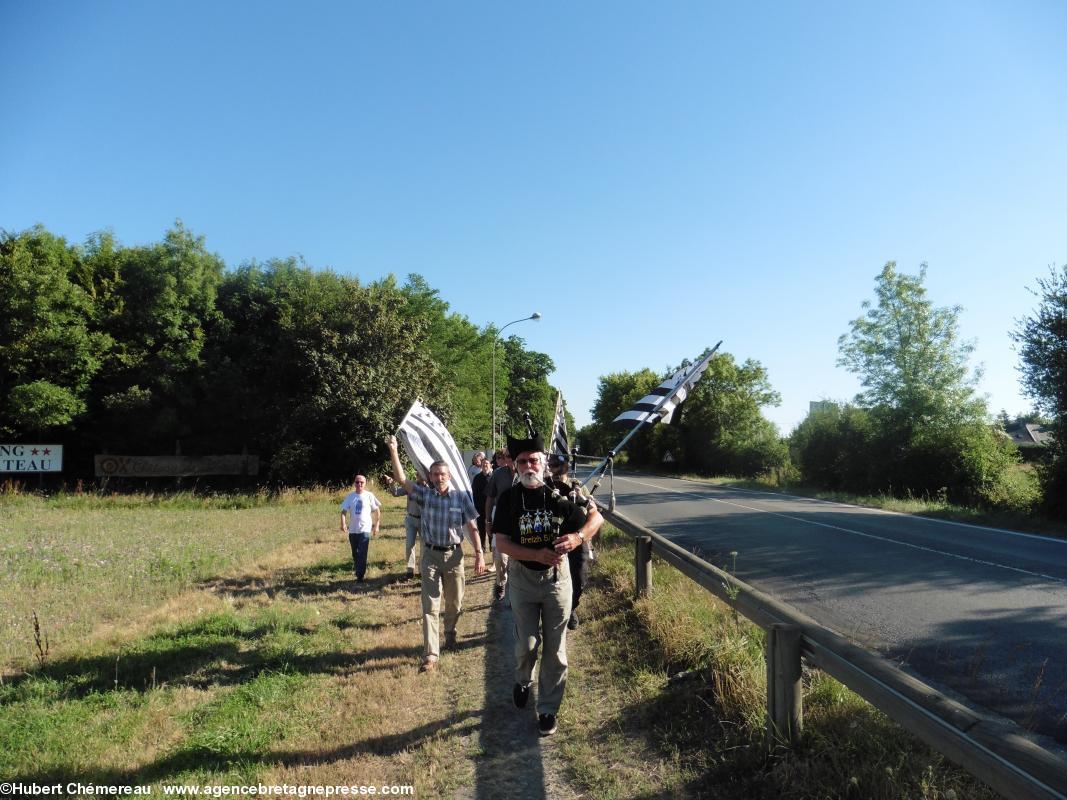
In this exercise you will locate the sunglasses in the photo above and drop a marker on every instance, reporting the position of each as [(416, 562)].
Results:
[(522, 462)]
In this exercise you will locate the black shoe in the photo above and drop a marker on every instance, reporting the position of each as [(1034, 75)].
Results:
[(520, 694), (572, 623), (498, 593), (411, 573), (546, 724), (450, 640)]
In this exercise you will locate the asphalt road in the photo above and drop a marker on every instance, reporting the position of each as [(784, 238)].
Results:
[(978, 610)]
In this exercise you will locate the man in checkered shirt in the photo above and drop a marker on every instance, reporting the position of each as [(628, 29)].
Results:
[(445, 513)]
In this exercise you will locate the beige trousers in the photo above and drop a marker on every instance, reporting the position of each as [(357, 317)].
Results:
[(442, 574), (541, 605), (500, 561)]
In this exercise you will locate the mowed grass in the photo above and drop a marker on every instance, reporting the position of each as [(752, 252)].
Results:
[(277, 670), (667, 698), (80, 562)]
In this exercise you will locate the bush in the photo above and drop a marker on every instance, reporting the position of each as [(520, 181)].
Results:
[(830, 447), (844, 448)]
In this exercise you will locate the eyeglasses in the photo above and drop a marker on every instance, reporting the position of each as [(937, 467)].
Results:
[(522, 462)]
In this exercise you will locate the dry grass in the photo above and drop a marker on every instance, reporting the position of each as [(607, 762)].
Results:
[(279, 670), (673, 688)]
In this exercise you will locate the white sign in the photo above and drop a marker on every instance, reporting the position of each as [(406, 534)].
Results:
[(31, 458)]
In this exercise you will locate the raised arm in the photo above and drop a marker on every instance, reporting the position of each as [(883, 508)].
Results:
[(398, 469)]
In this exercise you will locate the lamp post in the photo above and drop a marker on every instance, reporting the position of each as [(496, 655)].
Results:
[(534, 316)]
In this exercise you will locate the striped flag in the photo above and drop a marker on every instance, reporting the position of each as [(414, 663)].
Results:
[(426, 440), (665, 398), (559, 429)]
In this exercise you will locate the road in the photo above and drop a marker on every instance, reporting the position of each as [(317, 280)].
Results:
[(978, 610)]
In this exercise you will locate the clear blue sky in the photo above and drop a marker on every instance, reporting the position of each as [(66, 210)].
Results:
[(651, 177)]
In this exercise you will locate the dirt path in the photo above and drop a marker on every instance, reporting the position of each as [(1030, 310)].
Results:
[(510, 759)]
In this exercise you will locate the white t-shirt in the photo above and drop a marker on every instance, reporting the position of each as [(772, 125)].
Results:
[(358, 505)]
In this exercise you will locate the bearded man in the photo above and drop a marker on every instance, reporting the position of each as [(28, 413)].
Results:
[(536, 527)]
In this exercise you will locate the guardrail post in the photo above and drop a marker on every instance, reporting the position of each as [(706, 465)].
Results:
[(643, 564), (785, 710)]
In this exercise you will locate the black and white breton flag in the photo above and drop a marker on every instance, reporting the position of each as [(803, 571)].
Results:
[(427, 440), (559, 429), (665, 398)]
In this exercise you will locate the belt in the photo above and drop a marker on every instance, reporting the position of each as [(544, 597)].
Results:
[(441, 549)]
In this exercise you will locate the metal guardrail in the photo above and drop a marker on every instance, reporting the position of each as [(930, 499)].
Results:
[(993, 750)]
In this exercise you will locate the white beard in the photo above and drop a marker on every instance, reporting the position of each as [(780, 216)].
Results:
[(531, 480)]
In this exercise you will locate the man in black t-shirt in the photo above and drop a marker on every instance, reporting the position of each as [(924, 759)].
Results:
[(536, 526)]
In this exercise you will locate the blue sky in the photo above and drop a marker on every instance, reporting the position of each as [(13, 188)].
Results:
[(650, 177)]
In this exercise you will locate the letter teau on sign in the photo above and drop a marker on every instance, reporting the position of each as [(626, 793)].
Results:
[(109, 466), (31, 458)]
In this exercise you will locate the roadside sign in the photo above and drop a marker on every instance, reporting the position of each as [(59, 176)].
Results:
[(31, 458)]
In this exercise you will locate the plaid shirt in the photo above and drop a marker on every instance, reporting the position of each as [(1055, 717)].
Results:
[(444, 515)]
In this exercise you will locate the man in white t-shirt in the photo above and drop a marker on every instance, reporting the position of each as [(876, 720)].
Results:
[(361, 515)]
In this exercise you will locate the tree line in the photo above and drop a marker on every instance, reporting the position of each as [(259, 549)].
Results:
[(151, 349), (142, 350), (919, 428)]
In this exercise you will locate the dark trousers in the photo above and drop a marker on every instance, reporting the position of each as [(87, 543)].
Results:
[(360, 543), (482, 532), (579, 558)]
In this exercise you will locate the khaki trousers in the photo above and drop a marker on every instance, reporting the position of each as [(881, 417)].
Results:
[(500, 561), (442, 574), (411, 529), (541, 607)]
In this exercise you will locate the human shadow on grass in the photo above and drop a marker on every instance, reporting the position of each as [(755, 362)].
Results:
[(511, 761), (200, 759), (320, 580), (213, 651)]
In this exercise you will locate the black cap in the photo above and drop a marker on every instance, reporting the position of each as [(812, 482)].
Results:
[(557, 460), (516, 446)]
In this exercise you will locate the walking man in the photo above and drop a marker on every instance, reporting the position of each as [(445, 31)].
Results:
[(502, 479), (536, 526), (411, 521), (579, 557), (360, 516), (445, 514)]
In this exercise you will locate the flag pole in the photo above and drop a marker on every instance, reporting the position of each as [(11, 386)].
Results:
[(648, 417)]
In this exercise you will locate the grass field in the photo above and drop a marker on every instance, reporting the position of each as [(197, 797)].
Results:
[(234, 649), (192, 642)]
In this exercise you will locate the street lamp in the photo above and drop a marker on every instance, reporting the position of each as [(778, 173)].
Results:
[(534, 316)]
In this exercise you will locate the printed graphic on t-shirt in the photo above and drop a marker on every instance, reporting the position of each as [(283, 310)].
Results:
[(538, 528)]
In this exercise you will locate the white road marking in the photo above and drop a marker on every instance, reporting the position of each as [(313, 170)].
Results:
[(853, 531)]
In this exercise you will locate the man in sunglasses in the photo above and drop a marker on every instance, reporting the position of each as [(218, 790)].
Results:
[(536, 527)]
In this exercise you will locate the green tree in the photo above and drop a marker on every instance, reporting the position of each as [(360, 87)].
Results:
[(617, 392), (529, 391), (310, 369), (463, 355), (720, 428), (723, 430), (155, 303), (930, 434), (48, 351), (907, 353), (1042, 340)]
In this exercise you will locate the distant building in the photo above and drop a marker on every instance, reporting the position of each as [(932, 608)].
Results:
[(1030, 434)]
